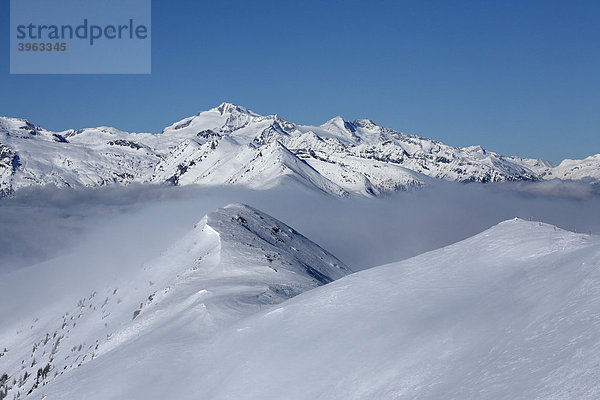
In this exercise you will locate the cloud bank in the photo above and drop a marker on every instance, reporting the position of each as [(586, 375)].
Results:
[(135, 223)]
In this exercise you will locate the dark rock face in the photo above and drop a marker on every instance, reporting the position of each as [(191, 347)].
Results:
[(125, 143)]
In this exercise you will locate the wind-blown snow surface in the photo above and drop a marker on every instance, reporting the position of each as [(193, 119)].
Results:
[(513, 312), (58, 316), (231, 145)]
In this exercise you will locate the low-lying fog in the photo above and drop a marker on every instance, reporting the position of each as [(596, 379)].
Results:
[(133, 224)]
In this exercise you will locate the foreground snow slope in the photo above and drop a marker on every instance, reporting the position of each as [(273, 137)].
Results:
[(512, 313), (231, 145), (62, 315)]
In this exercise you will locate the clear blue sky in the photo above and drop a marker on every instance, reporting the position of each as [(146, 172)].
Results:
[(517, 77)]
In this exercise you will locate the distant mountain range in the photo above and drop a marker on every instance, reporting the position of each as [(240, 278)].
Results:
[(231, 145)]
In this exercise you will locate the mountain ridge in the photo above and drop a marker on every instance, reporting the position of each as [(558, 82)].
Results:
[(220, 146), (235, 261)]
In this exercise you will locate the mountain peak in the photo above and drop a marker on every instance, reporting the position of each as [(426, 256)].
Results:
[(16, 124), (339, 123), (229, 108), (273, 243), (364, 123), (337, 120)]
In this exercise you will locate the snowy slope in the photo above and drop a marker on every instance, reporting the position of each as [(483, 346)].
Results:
[(221, 146), (512, 313), (587, 169), (60, 316), (30, 155)]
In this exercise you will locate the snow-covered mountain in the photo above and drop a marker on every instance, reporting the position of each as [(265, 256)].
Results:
[(585, 170), (232, 145), (511, 313), (58, 317)]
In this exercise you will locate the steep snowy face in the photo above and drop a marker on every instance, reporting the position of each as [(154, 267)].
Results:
[(221, 146), (271, 245), (63, 316)]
